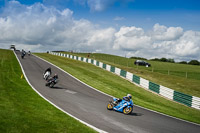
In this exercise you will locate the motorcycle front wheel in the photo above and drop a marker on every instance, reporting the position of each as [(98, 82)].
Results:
[(127, 110), (110, 106), (51, 85)]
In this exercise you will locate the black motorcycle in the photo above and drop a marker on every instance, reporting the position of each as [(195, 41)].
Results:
[(22, 55), (51, 82)]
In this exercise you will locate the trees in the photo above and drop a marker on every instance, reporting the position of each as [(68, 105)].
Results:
[(183, 62), (194, 62), (164, 60)]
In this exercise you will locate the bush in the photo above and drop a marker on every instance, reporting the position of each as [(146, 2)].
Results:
[(164, 60), (183, 62), (194, 62)]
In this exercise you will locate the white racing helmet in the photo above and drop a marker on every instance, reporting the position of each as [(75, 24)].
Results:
[(129, 96)]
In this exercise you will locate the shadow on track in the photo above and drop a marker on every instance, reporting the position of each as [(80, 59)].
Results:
[(132, 114), (136, 114), (56, 87)]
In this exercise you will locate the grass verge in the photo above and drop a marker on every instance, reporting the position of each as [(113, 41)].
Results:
[(23, 110), (176, 79), (118, 87)]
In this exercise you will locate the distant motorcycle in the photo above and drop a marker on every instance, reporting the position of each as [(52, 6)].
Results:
[(23, 54), (29, 53), (51, 82), (123, 106)]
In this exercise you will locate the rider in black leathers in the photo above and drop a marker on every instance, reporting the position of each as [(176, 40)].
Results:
[(53, 78)]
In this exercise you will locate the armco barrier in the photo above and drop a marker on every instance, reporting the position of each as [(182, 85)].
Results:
[(136, 79), (129, 76), (112, 69), (185, 99), (117, 71), (123, 73), (104, 66), (97, 63), (108, 67), (101, 64), (154, 87), (166, 92), (144, 83), (92, 61), (196, 102)]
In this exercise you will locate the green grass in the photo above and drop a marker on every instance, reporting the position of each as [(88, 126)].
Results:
[(116, 86), (176, 79), (23, 110)]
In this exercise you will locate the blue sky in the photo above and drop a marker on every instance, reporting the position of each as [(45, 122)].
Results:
[(124, 27), (141, 13)]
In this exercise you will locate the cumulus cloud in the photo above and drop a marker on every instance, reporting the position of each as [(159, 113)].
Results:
[(41, 28), (162, 33), (49, 28), (188, 44), (161, 41), (131, 39)]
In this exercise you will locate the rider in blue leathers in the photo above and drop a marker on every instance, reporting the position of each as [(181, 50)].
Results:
[(126, 98)]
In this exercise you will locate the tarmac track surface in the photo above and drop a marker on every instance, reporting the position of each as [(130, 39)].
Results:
[(89, 105)]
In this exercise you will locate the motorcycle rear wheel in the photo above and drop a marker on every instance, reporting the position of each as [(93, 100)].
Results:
[(110, 106), (127, 110)]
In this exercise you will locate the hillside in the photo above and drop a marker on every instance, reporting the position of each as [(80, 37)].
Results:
[(171, 75), (116, 86)]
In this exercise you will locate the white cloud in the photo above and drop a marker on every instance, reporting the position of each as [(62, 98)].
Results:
[(162, 41), (131, 38), (41, 28), (188, 44), (50, 28), (163, 33)]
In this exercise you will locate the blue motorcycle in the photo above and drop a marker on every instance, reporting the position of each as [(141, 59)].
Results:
[(121, 105)]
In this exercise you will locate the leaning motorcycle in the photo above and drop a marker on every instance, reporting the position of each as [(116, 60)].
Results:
[(123, 106), (51, 83)]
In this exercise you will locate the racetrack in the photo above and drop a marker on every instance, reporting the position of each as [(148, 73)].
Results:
[(89, 105)]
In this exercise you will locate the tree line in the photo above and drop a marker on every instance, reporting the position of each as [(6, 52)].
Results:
[(170, 60)]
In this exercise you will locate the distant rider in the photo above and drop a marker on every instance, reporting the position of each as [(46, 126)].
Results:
[(53, 78), (126, 98), (23, 53), (47, 73), (29, 53)]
